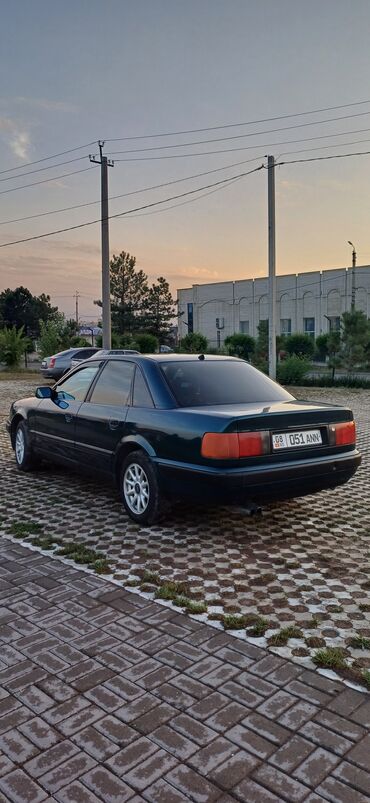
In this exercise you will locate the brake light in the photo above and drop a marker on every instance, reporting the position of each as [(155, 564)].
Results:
[(345, 433), (234, 445), (52, 362)]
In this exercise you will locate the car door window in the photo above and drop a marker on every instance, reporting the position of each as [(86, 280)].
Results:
[(141, 395), (84, 354), (77, 385), (114, 384)]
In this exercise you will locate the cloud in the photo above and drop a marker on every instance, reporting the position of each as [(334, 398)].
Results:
[(196, 273), (47, 105), (16, 136)]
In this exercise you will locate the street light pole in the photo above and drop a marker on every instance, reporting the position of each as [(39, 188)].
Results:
[(272, 269), (353, 291)]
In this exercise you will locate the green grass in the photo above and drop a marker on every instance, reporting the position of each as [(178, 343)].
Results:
[(132, 583), (360, 643), (192, 606), (259, 627), (330, 657), (282, 637), (101, 566), (232, 621), (43, 541), (151, 577), (171, 589), (365, 677), (20, 529)]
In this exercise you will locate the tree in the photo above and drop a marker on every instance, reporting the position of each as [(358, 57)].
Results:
[(262, 345), (301, 345), (194, 343), (129, 291), (293, 370), (355, 338), (13, 345), (160, 309), (20, 308), (240, 345)]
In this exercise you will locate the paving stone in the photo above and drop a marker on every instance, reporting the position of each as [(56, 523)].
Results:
[(150, 770), (17, 747), (104, 698), (19, 788), (242, 694), (250, 741), (193, 729), (209, 757), (353, 776), (40, 733), (249, 791), (326, 738), (163, 792), (76, 793), (360, 754), (49, 759), (132, 755), (316, 767), (208, 706), (292, 753), (226, 717), (274, 706), (174, 696), (106, 786), (191, 784), (281, 783), (94, 743), (337, 792), (115, 730), (64, 773), (265, 727), (35, 699), (174, 742)]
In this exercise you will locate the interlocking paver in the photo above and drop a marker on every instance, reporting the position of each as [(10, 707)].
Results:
[(19, 788), (246, 724)]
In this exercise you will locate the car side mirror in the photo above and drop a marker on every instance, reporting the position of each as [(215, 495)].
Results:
[(44, 393)]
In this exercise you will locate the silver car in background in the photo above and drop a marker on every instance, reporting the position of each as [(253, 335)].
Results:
[(57, 365)]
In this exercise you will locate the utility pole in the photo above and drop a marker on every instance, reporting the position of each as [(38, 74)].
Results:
[(272, 266), (77, 295), (353, 288), (106, 313)]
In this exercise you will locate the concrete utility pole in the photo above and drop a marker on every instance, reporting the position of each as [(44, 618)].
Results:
[(106, 313), (353, 289), (77, 295), (272, 266)]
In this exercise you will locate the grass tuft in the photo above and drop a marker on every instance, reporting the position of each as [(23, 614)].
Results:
[(282, 637), (259, 627), (360, 643), (330, 657), (192, 606), (101, 566), (170, 590), (148, 576), (232, 621), (21, 529), (365, 677)]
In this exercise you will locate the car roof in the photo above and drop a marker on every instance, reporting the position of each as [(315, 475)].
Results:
[(163, 358)]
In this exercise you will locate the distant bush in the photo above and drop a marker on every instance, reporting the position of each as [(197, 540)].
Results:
[(300, 345), (292, 371), (13, 345), (328, 382), (194, 343), (147, 343), (240, 345)]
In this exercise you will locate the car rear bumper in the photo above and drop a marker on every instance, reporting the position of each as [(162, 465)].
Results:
[(51, 373), (261, 484)]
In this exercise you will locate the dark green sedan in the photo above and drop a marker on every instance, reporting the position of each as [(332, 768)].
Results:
[(165, 427)]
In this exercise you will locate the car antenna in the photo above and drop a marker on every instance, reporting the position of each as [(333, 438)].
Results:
[(201, 357)]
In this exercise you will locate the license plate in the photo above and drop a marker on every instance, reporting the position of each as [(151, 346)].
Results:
[(289, 440)]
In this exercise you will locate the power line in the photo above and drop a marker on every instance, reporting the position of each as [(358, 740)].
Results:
[(46, 158), (324, 158), (129, 211), (236, 125), (246, 147), (133, 192), (45, 180), (241, 136), (41, 169)]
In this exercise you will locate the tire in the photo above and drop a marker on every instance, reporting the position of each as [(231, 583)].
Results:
[(24, 456), (139, 487)]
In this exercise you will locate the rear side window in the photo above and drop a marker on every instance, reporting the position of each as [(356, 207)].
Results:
[(211, 382), (141, 396), (114, 384), (84, 355)]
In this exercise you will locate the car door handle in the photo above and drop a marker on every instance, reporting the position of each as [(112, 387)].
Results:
[(113, 423), (68, 418)]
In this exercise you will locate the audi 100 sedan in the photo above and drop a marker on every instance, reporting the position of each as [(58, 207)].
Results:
[(164, 427)]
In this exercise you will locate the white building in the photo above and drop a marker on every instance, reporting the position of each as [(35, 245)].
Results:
[(306, 302)]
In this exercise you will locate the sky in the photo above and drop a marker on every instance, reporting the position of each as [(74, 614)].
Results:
[(79, 71)]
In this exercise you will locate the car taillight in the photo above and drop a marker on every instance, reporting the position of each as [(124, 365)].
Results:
[(234, 445), (52, 362), (344, 434)]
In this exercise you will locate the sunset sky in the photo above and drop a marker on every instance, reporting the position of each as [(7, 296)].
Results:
[(77, 71)]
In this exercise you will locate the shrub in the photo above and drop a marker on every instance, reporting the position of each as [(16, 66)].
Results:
[(13, 345), (240, 345), (292, 371), (194, 343), (300, 345), (147, 343)]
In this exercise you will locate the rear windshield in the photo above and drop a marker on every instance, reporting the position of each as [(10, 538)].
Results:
[(203, 382)]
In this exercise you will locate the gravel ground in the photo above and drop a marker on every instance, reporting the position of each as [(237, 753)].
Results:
[(303, 563)]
